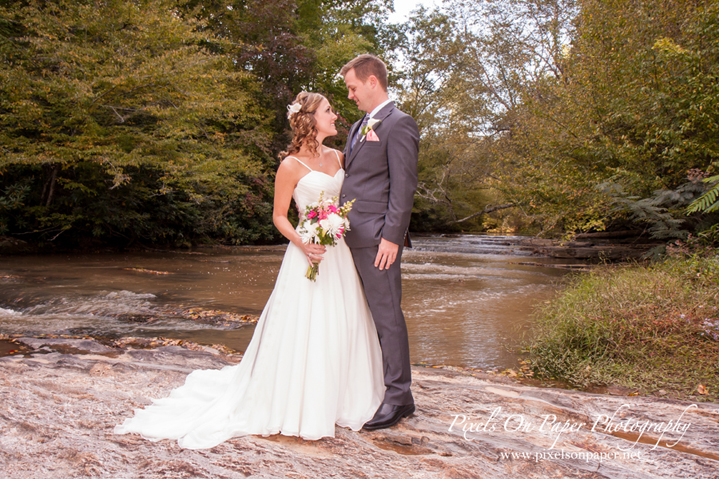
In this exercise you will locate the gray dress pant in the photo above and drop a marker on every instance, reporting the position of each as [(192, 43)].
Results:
[(383, 290)]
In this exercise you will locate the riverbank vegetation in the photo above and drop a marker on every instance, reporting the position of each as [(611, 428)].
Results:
[(653, 329), (583, 115), (158, 122)]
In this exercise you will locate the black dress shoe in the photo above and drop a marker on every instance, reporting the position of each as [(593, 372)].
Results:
[(387, 416)]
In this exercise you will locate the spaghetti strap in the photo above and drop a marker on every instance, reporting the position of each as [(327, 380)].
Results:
[(338, 158), (301, 162)]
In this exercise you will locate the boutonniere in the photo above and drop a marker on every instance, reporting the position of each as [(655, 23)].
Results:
[(369, 126)]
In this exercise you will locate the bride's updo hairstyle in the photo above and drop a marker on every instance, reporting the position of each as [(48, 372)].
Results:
[(301, 113)]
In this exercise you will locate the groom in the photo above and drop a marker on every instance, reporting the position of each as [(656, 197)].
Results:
[(381, 174)]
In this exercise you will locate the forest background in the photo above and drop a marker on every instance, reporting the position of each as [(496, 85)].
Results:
[(158, 122)]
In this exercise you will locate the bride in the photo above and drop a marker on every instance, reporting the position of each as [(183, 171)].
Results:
[(314, 359)]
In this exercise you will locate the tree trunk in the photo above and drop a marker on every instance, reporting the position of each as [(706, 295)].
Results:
[(51, 182)]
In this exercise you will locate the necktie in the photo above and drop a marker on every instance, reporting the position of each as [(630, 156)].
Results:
[(358, 133)]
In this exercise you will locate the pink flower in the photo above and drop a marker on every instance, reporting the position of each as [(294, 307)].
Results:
[(324, 223)]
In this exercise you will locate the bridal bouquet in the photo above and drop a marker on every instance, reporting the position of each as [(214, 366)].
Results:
[(324, 223)]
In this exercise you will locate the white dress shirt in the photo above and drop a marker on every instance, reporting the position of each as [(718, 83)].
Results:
[(379, 107)]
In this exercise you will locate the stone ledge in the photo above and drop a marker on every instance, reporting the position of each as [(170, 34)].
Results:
[(59, 410)]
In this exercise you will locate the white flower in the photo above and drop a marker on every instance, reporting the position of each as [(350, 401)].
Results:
[(292, 109), (369, 126), (332, 224), (308, 232)]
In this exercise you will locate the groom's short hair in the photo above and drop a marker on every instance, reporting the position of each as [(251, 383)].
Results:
[(366, 65)]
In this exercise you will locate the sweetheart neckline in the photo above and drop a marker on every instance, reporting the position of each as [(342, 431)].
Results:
[(320, 172)]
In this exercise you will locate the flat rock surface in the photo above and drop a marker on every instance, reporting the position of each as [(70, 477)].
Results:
[(59, 405)]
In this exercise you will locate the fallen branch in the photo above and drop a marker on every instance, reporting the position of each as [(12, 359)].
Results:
[(487, 209)]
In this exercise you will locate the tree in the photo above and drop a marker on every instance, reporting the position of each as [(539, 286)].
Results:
[(471, 66), (585, 114), (120, 119), (636, 107), (295, 45)]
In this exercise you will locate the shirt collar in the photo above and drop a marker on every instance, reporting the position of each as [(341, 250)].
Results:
[(379, 107)]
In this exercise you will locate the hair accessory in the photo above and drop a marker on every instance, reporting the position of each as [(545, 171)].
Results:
[(293, 108)]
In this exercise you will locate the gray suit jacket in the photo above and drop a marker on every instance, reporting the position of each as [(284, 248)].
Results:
[(382, 177)]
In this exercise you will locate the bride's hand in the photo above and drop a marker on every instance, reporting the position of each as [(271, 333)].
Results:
[(313, 252)]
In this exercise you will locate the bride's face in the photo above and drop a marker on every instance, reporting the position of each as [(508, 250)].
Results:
[(325, 119)]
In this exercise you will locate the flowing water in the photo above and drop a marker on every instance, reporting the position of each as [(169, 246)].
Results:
[(466, 299)]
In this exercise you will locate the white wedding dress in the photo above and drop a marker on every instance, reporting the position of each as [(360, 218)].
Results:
[(314, 359)]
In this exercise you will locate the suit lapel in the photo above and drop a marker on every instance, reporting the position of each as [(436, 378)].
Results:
[(381, 115)]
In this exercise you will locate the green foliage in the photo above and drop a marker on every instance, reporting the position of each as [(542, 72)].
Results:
[(661, 212), (159, 121), (121, 83), (544, 101), (87, 211), (709, 201), (347, 28), (645, 327), (292, 45), (446, 87), (122, 123), (636, 105)]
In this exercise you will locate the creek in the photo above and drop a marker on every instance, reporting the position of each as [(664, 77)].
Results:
[(467, 299)]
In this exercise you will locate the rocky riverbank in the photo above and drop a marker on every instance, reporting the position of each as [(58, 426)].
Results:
[(61, 398), (614, 246), (586, 247)]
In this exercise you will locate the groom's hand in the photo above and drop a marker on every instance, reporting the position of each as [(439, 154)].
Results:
[(386, 254)]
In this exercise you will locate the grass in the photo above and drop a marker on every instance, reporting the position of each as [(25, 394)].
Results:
[(652, 328)]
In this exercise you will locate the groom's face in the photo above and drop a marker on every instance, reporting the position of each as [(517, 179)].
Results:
[(360, 92)]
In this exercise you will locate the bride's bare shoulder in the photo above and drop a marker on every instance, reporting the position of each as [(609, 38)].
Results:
[(290, 169), (340, 156), (289, 163)]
